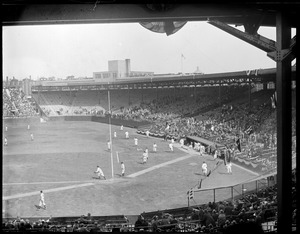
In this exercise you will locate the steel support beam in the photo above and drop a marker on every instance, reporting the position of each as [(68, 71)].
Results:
[(256, 40), (49, 14), (289, 53), (297, 139), (284, 134)]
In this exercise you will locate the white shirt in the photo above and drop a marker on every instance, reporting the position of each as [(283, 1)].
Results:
[(123, 167), (154, 147), (126, 134), (121, 127), (135, 141), (42, 196), (99, 171), (204, 166), (147, 133)]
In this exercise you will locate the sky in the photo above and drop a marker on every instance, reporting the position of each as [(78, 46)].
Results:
[(79, 50)]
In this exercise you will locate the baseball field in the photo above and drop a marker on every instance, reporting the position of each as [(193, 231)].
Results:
[(62, 158)]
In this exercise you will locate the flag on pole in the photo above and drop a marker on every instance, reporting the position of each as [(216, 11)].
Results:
[(238, 144), (182, 56), (118, 157)]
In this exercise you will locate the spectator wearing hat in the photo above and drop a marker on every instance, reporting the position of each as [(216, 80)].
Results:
[(208, 219), (221, 218), (215, 215)]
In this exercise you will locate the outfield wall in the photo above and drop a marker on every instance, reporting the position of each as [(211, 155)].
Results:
[(98, 119), (21, 120)]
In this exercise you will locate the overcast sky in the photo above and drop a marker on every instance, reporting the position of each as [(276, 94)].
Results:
[(80, 50)]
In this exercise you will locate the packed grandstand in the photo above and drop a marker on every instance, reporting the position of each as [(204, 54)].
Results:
[(222, 119)]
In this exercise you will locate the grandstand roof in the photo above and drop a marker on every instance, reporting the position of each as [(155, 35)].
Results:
[(249, 14), (239, 77)]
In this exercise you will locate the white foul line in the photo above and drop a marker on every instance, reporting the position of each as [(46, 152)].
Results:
[(87, 184), (158, 166), (46, 191)]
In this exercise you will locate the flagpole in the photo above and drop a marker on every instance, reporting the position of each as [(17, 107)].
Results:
[(181, 66), (110, 138)]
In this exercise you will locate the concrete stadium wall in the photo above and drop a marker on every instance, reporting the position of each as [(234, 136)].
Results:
[(28, 120), (78, 118), (99, 119), (119, 122)]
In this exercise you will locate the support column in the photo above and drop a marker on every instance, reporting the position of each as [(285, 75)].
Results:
[(297, 131), (128, 95), (284, 120), (220, 94), (249, 94)]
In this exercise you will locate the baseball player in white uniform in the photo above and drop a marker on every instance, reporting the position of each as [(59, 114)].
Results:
[(100, 173), (154, 147), (123, 168), (204, 168), (42, 200)]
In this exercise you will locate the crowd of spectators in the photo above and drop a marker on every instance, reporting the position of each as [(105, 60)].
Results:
[(254, 126), (16, 104)]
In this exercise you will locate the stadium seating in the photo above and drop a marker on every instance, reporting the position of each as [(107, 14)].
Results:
[(15, 104)]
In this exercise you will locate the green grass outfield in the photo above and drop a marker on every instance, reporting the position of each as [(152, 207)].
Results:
[(63, 156)]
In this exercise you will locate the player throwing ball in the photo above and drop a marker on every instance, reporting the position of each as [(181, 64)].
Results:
[(99, 173)]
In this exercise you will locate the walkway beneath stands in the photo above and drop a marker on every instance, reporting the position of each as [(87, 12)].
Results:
[(202, 141)]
